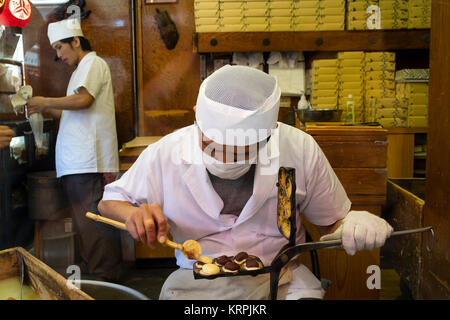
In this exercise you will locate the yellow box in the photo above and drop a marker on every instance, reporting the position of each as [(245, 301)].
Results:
[(323, 106), (419, 23), (380, 75), (332, 11), (256, 13), (323, 70), (380, 56), (343, 55), (325, 86), (208, 28), (280, 27), (342, 63), (351, 77), (332, 3), (375, 93), (418, 12), (418, 98), (418, 110), (281, 12), (417, 122), (208, 21), (380, 84), (321, 63), (306, 4), (325, 78), (236, 5), (332, 19), (235, 28), (351, 70), (390, 14), (419, 3), (391, 112), (256, 27), (356, 93), (356, 6), (392, 122), (347, 85), (357, 15), (306, 12), (394, 24), (279, 4), (234, 20), (380, 66), (357, 25), (324, 100), (406, 89), (280, 20), (331, 26), (324, 93), (252, 20)]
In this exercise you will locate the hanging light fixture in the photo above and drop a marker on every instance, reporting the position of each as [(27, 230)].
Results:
[(15, 13)]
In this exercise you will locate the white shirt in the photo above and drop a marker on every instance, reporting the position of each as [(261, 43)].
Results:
[(170, 172), (87, 138)]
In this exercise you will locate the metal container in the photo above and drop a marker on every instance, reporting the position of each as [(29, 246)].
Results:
[(319, 115), (100, 290), (46, 197)]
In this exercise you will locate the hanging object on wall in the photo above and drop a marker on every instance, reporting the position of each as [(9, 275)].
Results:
[(72, 9), (167, 29), (15, 13), (2, 5)]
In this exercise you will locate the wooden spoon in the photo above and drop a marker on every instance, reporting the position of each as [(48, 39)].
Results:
[(190, 248)]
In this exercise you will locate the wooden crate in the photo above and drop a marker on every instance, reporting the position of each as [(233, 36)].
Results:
[(46, 282)]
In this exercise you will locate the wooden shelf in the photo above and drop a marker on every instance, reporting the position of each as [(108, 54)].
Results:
[(371, 40)]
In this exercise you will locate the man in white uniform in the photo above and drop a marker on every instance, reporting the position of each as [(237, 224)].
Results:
[(215, 182), (86, 146)]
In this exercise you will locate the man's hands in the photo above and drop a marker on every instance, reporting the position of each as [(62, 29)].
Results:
[(148, 224), (361, 230), (6, 134), (37, 104)]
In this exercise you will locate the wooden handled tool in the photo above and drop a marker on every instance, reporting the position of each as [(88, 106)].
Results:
[(190, 248)]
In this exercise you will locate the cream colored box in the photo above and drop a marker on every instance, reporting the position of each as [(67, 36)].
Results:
[(351, 63), (281, 12), (235, 5), (257, 13), (203, 21), (206, 13), (418, 110), (380, 56), (332, 3), (305, 27), (234, 28), (254, 20), (380, 66), (280, 20), (305, 12), (257, 27), (208, 28), (280, 27), (324, 93), (206, 5), (330, 26), (306, 20), (417, 122), (342, 55), (321, 63), (332, 19), (325, 86)]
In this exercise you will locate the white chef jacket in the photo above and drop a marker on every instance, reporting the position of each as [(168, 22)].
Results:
[(87, 138), (170, 172)]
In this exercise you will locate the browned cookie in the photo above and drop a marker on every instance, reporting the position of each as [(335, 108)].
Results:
[(231, 267), (241, 257), (222, 260)]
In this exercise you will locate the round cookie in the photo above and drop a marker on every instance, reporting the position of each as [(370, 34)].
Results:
[(241, 257), (252, 264), (205, 259), (209, 269), (231, 267), (222, 260)]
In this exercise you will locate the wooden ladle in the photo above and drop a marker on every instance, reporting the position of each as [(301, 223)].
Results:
[(190, 248)]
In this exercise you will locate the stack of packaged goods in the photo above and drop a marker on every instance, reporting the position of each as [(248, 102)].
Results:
[(413, 96), (243, 16), (319, 15), (380, 90), (357, 16), (324, 84), (419, 12), (393, 14), (351, 83)]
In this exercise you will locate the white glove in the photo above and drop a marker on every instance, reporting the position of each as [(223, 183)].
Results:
[(361, 230)]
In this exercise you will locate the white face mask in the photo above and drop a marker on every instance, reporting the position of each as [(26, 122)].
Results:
[(229, 171)]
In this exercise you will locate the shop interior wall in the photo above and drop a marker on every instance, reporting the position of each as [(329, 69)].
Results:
[(109, 30), (169, 79)]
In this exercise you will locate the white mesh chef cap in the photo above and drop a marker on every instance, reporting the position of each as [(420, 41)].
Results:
[(64, 29), (238, 105)]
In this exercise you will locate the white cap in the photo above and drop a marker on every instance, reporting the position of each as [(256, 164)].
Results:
[(238, 105), (64, 29)]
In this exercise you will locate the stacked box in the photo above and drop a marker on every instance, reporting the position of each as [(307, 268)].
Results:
[(319, 15), (379, 81), (377, 14), (419, 14), (389, 112), (351, 81), (414, 97), (324, 84)]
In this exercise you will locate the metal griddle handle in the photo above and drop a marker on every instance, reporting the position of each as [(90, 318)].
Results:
[(287, 253)]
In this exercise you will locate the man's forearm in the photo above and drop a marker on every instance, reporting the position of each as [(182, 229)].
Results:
[(116, 210), (323, 230)]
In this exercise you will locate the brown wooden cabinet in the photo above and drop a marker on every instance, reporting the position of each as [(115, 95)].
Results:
[(358, 157)]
